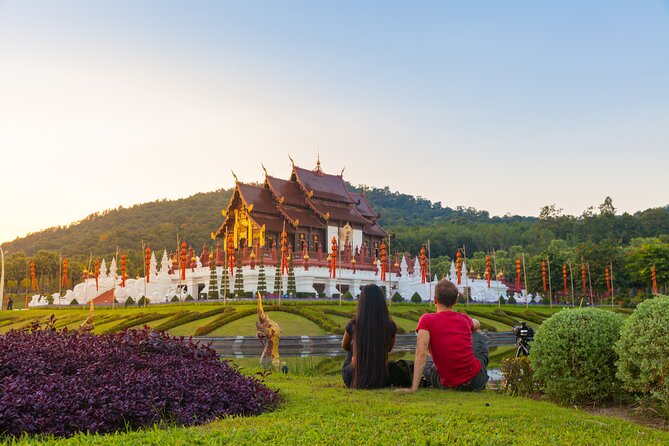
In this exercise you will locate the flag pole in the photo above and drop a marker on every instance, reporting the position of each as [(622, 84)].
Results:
[(464, 252), (527, 291), (60, 278), (571, 276), (429, 267), (494, 262), (550, 286), (611, 278), (587, 264), (114, 288)]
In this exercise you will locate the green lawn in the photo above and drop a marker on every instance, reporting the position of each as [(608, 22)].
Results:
[(319, 410)]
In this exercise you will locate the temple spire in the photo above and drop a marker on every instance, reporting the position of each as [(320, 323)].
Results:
[(318, 162)]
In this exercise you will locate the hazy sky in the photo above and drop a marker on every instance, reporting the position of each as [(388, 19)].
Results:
[(500, 105)]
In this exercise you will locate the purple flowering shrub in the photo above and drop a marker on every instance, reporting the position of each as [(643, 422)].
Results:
[(63, 382)]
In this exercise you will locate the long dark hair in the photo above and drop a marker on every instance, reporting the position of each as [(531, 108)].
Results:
[(373, 332)]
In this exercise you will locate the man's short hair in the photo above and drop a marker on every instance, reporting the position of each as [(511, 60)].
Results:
[(446, 293)]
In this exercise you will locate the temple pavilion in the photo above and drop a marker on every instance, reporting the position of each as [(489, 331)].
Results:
[(313, 207)]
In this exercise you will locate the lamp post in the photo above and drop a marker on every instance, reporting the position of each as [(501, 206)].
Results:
[(2, 279)]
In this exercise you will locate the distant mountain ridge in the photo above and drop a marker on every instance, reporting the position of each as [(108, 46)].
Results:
[(194, 218)]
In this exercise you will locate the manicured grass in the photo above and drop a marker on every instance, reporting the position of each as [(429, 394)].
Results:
[(188, 328), (291, 325), (339, 320), (319, 410), (407, 325)]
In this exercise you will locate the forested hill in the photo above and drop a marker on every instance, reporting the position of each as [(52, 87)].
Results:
[(412, 221), (156, 223), (195, 217)]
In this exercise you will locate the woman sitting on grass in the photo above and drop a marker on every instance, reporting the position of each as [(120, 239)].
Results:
[(368, 338)]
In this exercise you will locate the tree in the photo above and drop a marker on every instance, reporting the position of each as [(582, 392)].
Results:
[(291, 288), (239, 279), (224, 291), (278, 277), (644, 254), (213, 280), (262, 280), (607, 208)]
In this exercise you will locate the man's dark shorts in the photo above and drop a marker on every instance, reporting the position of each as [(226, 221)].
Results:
[(478, 382)]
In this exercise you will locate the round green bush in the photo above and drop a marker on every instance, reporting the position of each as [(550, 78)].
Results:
[(574, 357), (415, 298), (397, 297), (643, 350)]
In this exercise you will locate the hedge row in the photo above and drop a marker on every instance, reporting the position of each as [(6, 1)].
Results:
[(319, 319), (497, 316), (139, 319), (339, 313), (222, 320), (530, 316), (183, 317)]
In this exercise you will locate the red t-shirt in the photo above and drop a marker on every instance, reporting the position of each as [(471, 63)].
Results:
[(451, 346)]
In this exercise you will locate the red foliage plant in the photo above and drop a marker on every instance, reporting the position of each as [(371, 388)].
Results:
[(62, 382)]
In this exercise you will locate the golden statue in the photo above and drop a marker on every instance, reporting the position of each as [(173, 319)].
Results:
[(268, 333), (89, 324)]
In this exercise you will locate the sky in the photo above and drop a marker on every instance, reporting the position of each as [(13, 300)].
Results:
[(505, 106)]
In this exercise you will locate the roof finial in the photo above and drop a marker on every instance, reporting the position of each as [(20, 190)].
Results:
[(318, 160), (291, 161), (342, 172), (263, 168), (233, 174)]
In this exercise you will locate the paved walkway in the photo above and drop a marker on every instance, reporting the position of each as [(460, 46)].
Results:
[(240, 346)]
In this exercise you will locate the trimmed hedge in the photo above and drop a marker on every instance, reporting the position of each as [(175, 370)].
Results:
[(529, 316), (643, 349), (183, 317), (415, 298), (139, 319), (573, 356), (222, 320)]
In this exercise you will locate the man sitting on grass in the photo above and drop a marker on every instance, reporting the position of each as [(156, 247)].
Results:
[(458, 350)]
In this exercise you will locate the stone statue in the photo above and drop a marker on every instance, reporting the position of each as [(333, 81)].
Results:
[(268, 333)]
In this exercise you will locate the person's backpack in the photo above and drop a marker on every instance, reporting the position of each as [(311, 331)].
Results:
[(400, 373)]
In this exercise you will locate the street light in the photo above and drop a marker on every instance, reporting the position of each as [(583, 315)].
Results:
[(2, 279)]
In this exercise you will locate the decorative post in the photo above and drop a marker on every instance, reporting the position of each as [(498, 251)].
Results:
[(97, 274), (488, 269), (65, 281), (458, 266), (653, 278), (183, 260), (518, 274), (33, 279), (147, 266), (231, 254), (306, 260), (543, 275), (422, 264), (607, 276), (564, 280), (124, 270), (333, 259), (383, 262)]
